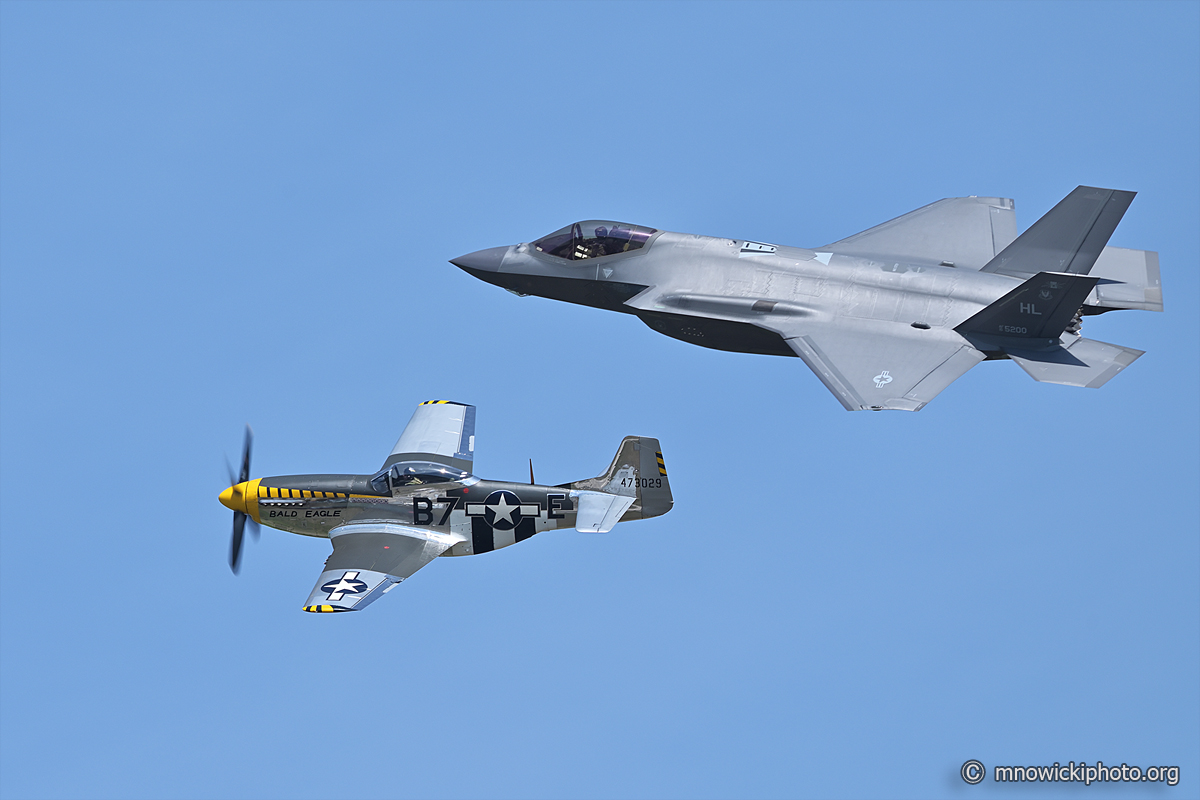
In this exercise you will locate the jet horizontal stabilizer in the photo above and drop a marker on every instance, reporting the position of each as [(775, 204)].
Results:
[(1078, 362), (1129, 279)]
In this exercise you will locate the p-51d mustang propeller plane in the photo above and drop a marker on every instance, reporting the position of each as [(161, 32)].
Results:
[(886, 318), (424, 503)]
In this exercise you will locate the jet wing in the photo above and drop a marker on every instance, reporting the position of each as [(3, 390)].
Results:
[(441, 431), (963, 231), (370, 559), (874, 369)]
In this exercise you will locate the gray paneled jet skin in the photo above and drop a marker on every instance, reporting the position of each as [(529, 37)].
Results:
[(886, 318), (424, 503)]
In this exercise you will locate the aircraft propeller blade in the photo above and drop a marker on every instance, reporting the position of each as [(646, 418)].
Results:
[(235, 544), (239, 517), (245, 474)]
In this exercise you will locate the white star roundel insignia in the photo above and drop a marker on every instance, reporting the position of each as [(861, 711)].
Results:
[(502, 510), (347, 584), (882, 379)]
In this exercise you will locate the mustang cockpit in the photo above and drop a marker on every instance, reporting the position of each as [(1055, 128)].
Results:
[(415, 473), (593, 239)]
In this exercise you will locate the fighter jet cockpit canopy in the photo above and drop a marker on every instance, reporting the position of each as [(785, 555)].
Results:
[(593, 239), (415, 473)]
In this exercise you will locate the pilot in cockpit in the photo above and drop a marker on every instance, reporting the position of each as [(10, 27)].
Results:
[(600, 246), (607, 241), (593, 239)]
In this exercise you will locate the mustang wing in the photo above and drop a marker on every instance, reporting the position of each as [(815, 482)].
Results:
[(370, 559), (440, 430), (880, 369)]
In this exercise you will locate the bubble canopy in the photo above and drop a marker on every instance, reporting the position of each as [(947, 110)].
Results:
[(415, 473), (594, 238)]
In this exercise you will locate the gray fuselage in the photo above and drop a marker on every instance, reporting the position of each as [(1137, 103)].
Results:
[(725, 293)]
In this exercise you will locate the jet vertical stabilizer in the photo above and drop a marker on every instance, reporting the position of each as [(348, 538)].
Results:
[(1041, 308), (1069, 238), (1036, 325)]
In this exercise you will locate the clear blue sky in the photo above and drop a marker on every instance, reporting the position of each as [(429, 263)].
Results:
[(218, 213)]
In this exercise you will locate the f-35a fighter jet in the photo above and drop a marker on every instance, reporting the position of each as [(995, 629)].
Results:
[(424, 503), (886, 318)]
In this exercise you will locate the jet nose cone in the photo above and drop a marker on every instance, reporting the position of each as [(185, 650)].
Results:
[(482, 260)]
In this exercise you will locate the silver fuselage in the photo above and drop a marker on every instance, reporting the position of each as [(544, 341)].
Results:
[(313, 505)]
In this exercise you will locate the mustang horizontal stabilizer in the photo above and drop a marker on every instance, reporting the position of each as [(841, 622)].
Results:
[(369, 559), (598, 512), (869, 370), (1040, 308), (1069, 238), (441, 431), (1075, 362), (959, 231)]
